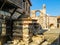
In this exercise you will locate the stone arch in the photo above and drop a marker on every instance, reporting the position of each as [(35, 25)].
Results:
[(51, 25), (37, 12)]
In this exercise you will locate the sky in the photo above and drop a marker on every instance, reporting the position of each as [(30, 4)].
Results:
[(52, 6)]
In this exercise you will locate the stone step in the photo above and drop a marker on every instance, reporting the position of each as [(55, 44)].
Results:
[(17, 34)]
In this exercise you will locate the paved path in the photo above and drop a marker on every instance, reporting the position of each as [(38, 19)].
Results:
[(52, 35), (53, 31)]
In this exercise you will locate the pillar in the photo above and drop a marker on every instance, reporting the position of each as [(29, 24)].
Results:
[(26, 34)]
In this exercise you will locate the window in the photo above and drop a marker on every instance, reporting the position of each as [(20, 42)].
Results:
[(29, 9), (23, 3), (58, 22), (16, 15), (26, 6), (4, 13)]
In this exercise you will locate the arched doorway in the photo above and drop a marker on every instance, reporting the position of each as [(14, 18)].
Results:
[(58, 22), (37, 13)]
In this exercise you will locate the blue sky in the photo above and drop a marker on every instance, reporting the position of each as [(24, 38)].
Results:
[(52, 6)]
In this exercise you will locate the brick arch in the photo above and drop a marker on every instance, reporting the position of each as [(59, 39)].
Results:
[(37, 11), (51, 25)]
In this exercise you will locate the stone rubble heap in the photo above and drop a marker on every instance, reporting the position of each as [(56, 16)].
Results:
[(36, 40)]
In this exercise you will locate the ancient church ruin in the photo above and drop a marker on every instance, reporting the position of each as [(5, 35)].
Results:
[(45, 20), (17, 27)]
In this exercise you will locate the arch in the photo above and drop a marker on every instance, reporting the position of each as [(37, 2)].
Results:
[(51, 25), (37, 13)]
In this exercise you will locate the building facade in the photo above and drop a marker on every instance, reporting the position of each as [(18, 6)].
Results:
[(45, 20), (11, 10)]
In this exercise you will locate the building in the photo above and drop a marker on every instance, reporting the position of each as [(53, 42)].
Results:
[(45, 20), (50, 24), (11, 10)]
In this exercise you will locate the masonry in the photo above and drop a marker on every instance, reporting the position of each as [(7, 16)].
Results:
[(17, 27), (45, 20)]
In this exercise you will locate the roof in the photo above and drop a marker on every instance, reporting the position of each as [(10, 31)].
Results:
[(30, 2)]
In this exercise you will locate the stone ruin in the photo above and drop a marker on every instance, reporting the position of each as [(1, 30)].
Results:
[(30, 35)]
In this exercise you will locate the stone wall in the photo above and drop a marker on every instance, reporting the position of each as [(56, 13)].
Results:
[(53, 21), (44, 19)]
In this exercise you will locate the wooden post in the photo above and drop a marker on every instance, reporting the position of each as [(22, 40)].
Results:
[(3, 4)]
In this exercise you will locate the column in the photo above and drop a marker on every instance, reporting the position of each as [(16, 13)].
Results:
[(26, 34)]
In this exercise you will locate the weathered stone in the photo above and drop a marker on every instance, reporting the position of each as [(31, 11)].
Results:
[(45, 20), (45, 43), (37, 39)]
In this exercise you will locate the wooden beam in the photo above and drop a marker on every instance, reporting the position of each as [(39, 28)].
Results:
[(3, 4), (13, 11)]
